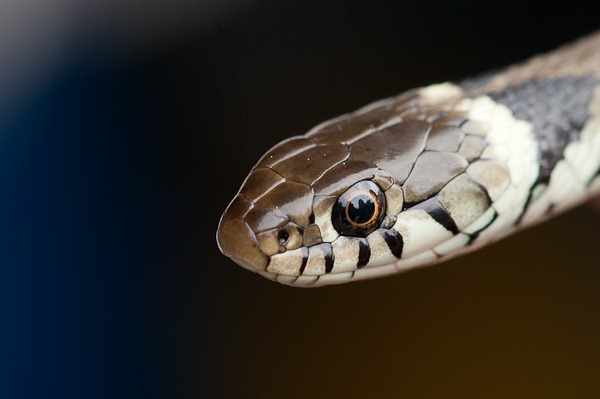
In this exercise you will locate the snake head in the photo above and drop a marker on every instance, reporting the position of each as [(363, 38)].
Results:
[(398, 184), (280, 216)]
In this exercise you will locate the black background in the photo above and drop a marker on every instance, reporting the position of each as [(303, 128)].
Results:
[(116, 172)]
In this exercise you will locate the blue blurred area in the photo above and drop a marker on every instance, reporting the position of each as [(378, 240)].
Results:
[(83, 207)]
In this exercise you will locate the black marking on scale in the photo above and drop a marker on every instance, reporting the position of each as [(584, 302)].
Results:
[(364, 252), (304, 259), (328, 255), (394, 241), (436, 210), (473, 237), (594, 177), (526, 205)]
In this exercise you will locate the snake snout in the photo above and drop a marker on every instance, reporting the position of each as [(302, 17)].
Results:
[(237, 241)]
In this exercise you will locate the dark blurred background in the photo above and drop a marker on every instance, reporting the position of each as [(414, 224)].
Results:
[(125, 129)]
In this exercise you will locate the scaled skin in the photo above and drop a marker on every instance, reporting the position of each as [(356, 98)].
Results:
[(459, 165)]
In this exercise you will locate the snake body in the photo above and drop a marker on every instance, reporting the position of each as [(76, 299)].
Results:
[(424, 176)]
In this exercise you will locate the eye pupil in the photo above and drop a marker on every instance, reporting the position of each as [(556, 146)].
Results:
[(360, 209)]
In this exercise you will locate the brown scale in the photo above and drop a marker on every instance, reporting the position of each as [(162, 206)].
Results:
[(341, 177), (307, 166), (444, 138), (346, 129), (431, 172), (394, 148)]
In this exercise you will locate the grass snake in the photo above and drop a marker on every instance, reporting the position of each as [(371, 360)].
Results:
[(427, 175)]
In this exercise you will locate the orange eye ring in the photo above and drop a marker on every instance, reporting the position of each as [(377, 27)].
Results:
[(360, 210), (358, 200)]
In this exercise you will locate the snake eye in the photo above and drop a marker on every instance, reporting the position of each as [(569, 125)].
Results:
[(359, 210)]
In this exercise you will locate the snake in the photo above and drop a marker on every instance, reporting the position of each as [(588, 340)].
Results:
[(424, 176)]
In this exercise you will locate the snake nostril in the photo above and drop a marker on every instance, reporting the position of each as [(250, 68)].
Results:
[(283, 237)]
